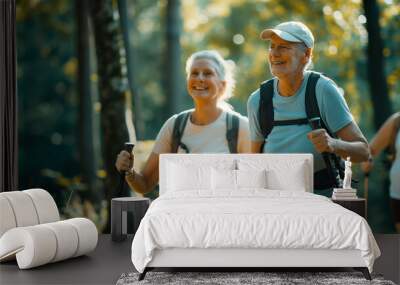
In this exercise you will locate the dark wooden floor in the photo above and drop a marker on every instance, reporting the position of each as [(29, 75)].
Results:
[(389, 262), (110, 260), (103, 266)]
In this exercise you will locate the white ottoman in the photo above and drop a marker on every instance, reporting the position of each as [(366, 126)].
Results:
[(31, 232)]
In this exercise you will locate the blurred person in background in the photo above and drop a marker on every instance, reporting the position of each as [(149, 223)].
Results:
[(388, 136)]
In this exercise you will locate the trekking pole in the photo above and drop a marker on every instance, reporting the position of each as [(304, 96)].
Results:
[(316, 124), (366, 182), (366, 177), (128, 147)]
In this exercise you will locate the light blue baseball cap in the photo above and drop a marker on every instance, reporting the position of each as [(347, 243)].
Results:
[(292, 31)]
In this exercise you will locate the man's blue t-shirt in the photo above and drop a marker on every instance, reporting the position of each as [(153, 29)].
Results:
[(293, 138)]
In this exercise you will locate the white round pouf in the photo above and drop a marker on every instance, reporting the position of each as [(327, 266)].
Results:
[(23, 208), (7, 218), (67, 240), (33, 246), (30, 230), (87, 234), (45, 206)]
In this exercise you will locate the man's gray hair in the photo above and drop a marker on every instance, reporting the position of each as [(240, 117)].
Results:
[(303, 47)]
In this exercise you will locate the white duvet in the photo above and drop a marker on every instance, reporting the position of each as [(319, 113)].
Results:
[(253, 218)]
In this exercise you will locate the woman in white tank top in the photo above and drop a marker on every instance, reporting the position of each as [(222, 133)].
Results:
[(210, 83)]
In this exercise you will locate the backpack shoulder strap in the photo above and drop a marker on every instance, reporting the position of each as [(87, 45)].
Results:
[(312, 108), (179, 127), (266, 109), (312, 111), (232, 131)]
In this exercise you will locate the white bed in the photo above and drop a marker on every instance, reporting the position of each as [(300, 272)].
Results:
[(219, 210)]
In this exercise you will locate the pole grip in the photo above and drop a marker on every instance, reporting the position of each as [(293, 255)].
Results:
[(315, 123), (128, 146)]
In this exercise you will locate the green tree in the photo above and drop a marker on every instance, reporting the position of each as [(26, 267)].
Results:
[(88, 156), (173, 67), (115, 97), (376, 72), (47, 101)]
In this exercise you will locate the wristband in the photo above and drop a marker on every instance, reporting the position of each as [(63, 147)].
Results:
[(130, 174)]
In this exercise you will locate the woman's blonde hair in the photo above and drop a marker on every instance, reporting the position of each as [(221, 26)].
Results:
[(224, 70)]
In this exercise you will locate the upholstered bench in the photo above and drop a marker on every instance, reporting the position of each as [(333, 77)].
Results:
[(31, 231)]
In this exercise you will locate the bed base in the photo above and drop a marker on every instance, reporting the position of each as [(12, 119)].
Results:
[(363, 270), (250, 259)]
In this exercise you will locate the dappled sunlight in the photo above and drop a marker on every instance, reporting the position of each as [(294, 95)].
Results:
[(52, 87)]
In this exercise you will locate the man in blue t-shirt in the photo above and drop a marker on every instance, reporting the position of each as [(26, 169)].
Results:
[(290, 52)]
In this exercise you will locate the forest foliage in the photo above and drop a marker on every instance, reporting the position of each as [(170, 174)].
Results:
[(49, 155)]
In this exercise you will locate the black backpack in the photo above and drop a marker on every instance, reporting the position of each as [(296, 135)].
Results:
[(232, 131), (323, 178)]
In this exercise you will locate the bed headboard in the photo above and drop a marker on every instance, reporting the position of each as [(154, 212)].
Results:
[(286, 164)]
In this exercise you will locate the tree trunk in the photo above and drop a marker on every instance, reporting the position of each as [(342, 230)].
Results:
[(173, 69), (115, 97), (376, 71), (86, 111)]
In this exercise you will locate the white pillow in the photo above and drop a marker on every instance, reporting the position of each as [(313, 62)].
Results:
[(236, 179), (280, 175), (292, 179), (183, 177), (223, 179), (251, 178)]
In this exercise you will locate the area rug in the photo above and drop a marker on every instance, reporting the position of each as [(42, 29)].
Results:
[(243, 278)]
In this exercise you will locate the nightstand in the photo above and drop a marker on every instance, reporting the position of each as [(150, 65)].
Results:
[(358, 206), (119, 209)]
